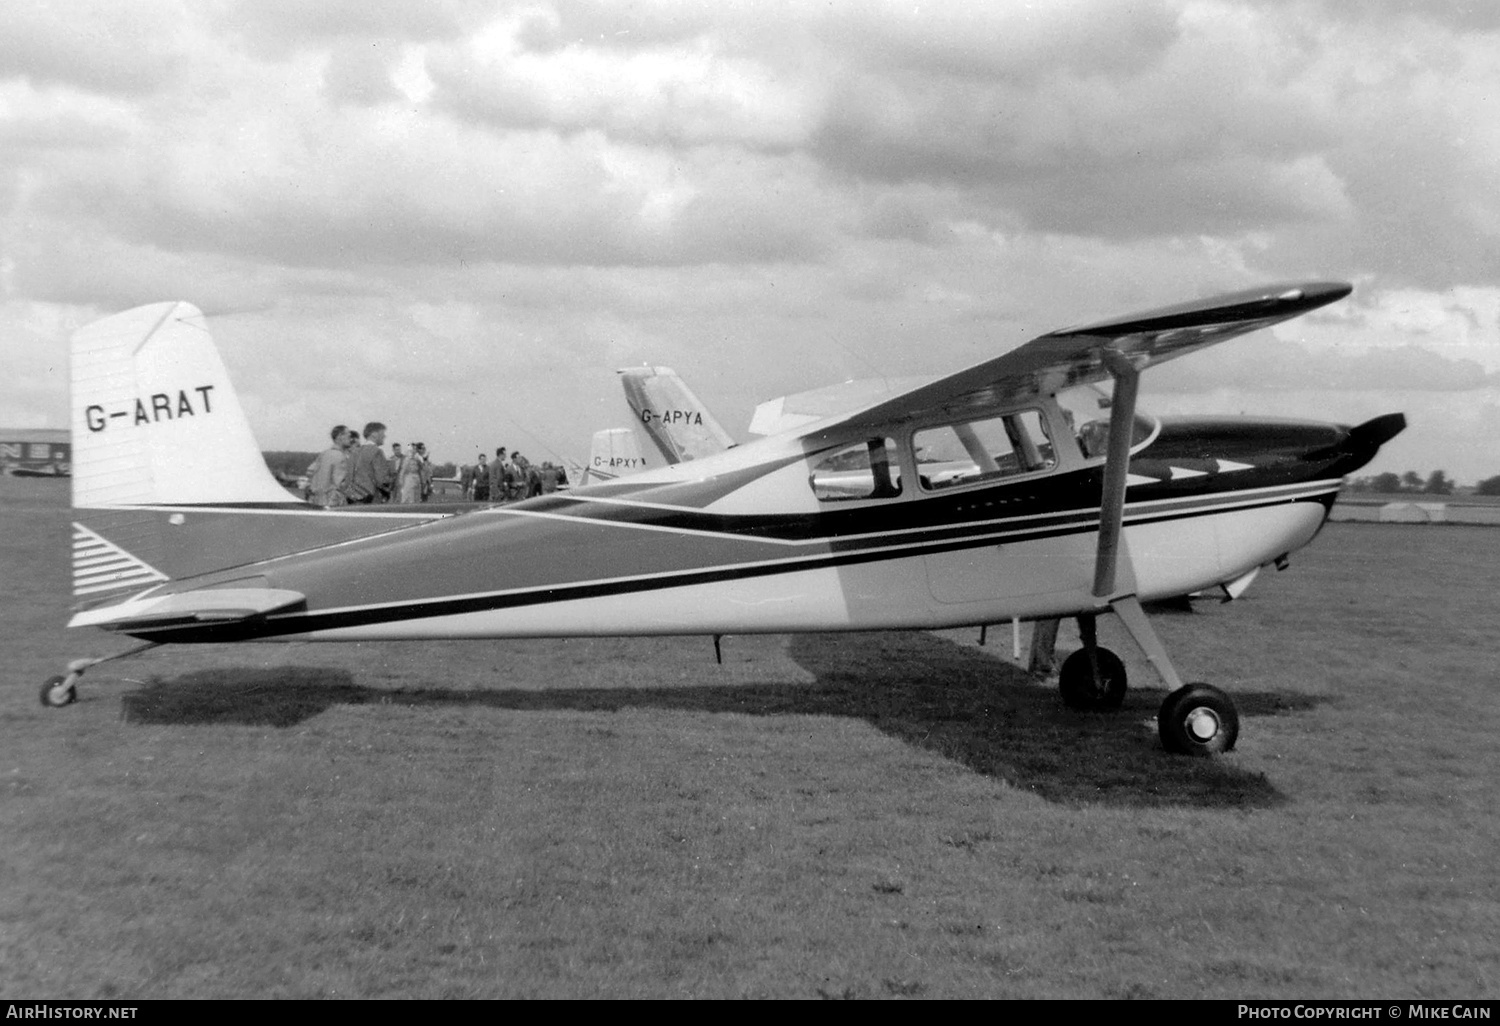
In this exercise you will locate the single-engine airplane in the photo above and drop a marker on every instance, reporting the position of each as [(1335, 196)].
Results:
[(1012, 489)]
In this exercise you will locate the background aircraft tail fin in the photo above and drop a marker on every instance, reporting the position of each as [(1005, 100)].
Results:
[(615, 452), (674, 420), (155, 419)]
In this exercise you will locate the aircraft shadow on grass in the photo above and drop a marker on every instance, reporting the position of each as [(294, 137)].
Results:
[(987, 715)]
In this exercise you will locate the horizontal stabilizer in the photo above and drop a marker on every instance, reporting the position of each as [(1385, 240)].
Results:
[(210, 605), (790, 412)]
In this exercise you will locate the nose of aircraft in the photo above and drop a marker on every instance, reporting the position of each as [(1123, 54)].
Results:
[(1366, 439), (1293, 446), (1358, 445)]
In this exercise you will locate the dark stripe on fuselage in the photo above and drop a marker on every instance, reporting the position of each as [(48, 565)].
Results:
[(852, 552)]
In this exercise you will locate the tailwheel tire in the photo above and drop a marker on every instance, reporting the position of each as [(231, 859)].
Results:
[(1199, 720), (59, 691), (1079, 688)]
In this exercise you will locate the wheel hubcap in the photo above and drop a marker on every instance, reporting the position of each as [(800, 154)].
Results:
[(1202, 723)]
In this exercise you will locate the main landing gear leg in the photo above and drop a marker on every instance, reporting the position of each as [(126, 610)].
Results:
[(1195, 719), (63, 690)]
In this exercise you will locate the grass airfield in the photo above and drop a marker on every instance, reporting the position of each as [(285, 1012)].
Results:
[(842, 816)]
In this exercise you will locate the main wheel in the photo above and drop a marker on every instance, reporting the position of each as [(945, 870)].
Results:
[(1079, 688), (59, 691), (1198, 719)]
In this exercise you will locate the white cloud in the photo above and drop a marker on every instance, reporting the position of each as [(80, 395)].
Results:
[(275, 29), (94, 45), (687, 94), (772, 195), (1461, 324)]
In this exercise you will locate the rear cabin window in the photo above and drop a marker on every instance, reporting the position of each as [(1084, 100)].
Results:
[(983, 450), (865, 470)]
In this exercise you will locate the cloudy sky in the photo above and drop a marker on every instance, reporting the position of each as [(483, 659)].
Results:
[(458, 216)]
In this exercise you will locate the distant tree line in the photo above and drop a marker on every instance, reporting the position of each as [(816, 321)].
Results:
[(288, 466), (1411, 482)]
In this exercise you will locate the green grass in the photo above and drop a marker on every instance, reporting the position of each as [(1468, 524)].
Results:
[(883, 815)]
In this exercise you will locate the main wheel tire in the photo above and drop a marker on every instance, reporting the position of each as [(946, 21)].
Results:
[(59, 691), (1199, 720), (1079, 688)]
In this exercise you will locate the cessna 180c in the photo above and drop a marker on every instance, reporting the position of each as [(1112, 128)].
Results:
[(1012, 489)]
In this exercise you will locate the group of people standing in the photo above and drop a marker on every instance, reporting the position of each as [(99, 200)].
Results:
[(511, 476), (356, 472)]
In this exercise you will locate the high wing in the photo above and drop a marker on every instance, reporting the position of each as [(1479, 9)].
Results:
[(1119, 348), (1084, 354)]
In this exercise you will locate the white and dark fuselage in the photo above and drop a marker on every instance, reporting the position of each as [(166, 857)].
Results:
[(1011, 488), (772, 537)]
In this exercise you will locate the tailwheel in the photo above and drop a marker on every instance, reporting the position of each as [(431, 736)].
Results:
[(60, 691), (1198, 719), (1082, 688)]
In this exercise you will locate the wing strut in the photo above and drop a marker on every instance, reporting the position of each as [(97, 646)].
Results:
[(1116, 469), (1127, 375)]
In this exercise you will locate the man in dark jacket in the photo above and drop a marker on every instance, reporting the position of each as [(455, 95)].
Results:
[(370, 474), (500, 472)]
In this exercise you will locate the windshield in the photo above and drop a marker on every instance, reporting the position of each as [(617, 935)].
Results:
[(1086, 409)]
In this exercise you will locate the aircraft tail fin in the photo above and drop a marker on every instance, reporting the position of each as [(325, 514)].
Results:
[(155, 419), (615, 452), (674, 420), (168, 480), (155, 423)]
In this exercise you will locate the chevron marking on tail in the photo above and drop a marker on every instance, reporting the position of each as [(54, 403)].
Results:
[(100, 565)]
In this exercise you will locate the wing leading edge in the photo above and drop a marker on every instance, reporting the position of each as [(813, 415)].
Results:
[(1083, 354)]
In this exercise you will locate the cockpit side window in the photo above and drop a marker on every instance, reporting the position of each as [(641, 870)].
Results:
[(865, 470), (983, 450)]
